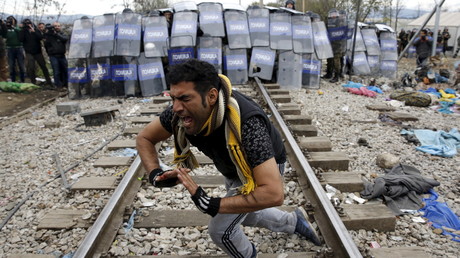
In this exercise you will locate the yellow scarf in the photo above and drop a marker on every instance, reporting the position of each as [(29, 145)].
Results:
[(183, 157)]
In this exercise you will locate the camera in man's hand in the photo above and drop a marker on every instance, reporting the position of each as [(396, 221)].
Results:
[(50, 29), (9, 23), (423, 37), (27, 24)]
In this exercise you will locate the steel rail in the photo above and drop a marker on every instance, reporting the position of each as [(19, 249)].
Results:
[(102, 233), (331, 226)]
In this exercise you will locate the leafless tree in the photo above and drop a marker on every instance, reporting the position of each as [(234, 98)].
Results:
[(399, 6), (141, 6)]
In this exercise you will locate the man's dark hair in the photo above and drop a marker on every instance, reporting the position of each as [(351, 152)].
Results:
[(201, 73), (424, 30)]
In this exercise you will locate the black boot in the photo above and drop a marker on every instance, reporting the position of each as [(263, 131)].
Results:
[(327, 76), (335, 79)]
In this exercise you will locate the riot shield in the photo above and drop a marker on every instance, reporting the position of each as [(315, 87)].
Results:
[(337, 31), (155, 36), (180, 55), (388, 46), (211, 19), (128, 34), (183, 33), (236, 65), (280, 31), (78, 78), (389, 68), (151, 76), (411, 52), (289, 70), (262, 63), (124, 75), (311, 71), (359, 44), (101, 77), (374, 64), (259, 26), (103, 35), (323, 47), (302, 34), (236, 24), (360, 65), (371, 41), (210, 50), (80, 40), (184, 6)]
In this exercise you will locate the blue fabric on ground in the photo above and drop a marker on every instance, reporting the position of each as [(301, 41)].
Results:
[(440, 215), (432, 91), (445, 107), (351, 84), (375, 89), (450, 91), (438, 143)]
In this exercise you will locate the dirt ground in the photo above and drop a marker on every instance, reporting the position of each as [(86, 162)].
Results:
[(13, 103)]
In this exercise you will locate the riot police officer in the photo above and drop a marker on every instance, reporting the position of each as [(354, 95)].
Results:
[(337, 31)]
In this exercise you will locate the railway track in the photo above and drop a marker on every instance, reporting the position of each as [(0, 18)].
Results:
[(133, 207)]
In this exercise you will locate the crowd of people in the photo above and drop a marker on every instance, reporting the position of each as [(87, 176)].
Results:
[(24, 44), (426, 35)]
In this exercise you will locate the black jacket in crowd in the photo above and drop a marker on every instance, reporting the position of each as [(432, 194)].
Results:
[(31, 40), (55, 43)]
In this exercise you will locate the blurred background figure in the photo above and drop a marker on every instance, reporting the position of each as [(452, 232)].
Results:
[(55, 45), (10, 32), (31, 37), (445, 38), (290, 4)]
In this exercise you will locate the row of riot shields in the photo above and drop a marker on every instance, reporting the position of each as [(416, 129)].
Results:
[(129, 34), (145, 76), (373, 54), (116, 76), (128, 55)]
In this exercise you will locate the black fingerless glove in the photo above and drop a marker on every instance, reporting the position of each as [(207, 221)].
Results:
[(206, 204), (170, 182)]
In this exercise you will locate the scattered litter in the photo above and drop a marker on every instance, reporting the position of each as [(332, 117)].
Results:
[(418, 219), (127, 226), (374, 244), (356, 198), (125, 152), (396, 103), (330, 191), (396, 238)]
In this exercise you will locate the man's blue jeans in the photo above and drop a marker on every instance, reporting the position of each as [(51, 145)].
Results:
[(59, 65), (16, 55)]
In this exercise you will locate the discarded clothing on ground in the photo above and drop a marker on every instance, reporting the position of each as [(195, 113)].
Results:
[(401, 188), (18, 87), (441, 216), (362, 91), (412, 98), (440, 143)]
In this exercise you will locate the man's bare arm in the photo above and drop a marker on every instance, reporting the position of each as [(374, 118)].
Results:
[(268, 193), (152, 134)]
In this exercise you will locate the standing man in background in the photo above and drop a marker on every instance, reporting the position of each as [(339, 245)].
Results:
[(423, 46), (445, 39), (31, 38), (55, 45), (10, 31)]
